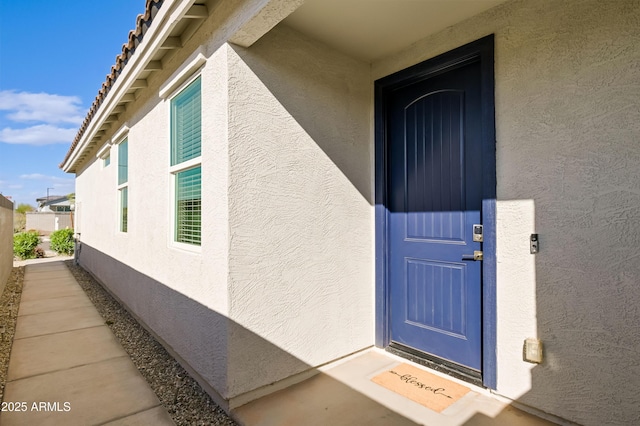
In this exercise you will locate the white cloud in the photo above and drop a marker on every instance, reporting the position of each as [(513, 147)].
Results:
[(34, 176), (49, 119), (63, 185), (40, 176), (41, 107), (41, 134), (55, 182)]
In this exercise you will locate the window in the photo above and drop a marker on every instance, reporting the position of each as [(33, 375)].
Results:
[(123, 183), (185, 124), (104, 154), (123, 162), (186, 166), (188, 206), (124, 200)]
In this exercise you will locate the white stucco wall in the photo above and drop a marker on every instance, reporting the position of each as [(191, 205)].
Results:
[(283, 281), (180, 295), (6, 240), (300, 213), (568, 125)]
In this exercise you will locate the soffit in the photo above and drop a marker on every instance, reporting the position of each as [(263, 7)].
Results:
[(372, 29)]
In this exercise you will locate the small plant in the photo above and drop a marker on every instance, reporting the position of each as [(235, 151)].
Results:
[(24, 245), (19, 222), (62, 241)]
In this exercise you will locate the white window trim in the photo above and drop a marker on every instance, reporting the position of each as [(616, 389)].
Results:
[(184, 76), (192, 248), (123, 134), (189, 164), (190, 73), (104, 151), (174, 170), (119, 207), (120, 135)]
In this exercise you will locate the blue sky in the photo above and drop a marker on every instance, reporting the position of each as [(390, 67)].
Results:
[(54, 57)]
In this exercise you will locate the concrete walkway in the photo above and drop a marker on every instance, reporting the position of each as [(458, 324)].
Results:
[(66, 367)]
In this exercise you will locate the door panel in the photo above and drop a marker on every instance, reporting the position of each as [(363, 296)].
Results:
[(436, 295), (434, 199)]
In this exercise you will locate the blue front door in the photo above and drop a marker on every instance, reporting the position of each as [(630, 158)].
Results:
[(434, 197)]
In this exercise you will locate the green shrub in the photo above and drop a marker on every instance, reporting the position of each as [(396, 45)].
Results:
[(24, 245), (62, 241)]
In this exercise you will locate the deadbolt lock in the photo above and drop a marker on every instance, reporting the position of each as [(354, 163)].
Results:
[(478, 234)]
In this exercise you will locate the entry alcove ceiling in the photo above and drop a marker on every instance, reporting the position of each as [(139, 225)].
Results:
[(372, 29)]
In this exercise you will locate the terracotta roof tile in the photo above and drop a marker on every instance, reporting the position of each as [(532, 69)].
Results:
[(143, 22)]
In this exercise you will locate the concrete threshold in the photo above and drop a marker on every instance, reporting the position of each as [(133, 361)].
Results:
[(343, 394)]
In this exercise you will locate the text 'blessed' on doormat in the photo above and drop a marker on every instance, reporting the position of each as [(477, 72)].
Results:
[(420, 386)]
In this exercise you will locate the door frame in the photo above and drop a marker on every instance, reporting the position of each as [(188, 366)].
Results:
[(482, 50)]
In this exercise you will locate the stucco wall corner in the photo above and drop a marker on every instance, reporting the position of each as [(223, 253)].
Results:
[(300, 218)]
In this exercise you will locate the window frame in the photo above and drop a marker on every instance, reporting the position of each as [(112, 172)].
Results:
[(175, 169), (123, 188), (104, 154)]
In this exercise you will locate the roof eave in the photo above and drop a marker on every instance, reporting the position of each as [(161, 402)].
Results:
[(264, 16), (167, 17)]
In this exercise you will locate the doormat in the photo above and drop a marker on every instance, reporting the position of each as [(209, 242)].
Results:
[(420, 386)]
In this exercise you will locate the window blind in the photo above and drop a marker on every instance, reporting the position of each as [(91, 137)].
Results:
[(189, 206), (185, 124)]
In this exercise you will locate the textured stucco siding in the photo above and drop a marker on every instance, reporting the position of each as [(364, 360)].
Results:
[(567, 126), (180, 295), (6, 240), (287, 223), (300, 214)]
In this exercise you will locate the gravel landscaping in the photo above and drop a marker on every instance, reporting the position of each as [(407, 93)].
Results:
[(9, 301), (181, 395)]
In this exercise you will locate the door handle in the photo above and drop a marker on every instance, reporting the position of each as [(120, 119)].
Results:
[(477, 255)]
